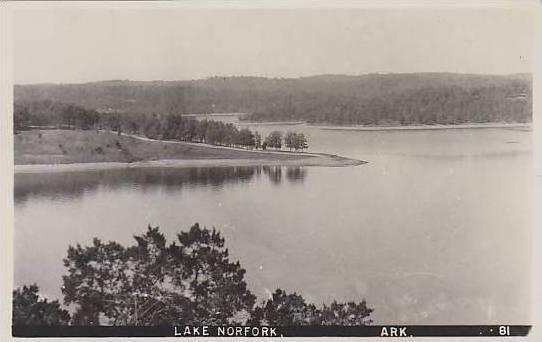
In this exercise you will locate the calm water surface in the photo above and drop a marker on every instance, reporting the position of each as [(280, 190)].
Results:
[(433, 230)]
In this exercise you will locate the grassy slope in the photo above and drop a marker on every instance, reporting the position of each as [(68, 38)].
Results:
[(66, 146)]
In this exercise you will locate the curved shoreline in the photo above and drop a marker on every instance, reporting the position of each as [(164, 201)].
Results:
[(60, 151), (325, 160)]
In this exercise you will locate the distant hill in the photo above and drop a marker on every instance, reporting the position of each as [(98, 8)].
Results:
[(337, 99)]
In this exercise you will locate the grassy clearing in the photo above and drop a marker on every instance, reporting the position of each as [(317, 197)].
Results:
[(73, 146)]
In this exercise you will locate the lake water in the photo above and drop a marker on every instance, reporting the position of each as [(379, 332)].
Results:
[(435, 229)]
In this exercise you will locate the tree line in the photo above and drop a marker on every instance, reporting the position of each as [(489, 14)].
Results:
[(373, 99), (190, 281), (445, 105), (154, 126), (27, 115)]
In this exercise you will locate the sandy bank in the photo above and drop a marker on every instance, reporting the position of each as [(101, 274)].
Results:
[(316, 160)]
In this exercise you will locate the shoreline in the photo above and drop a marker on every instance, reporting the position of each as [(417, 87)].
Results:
[(327, 126), (423, 127), (332, 127), (323, 160)]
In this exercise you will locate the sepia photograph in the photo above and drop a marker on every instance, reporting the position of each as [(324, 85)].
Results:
[(183, 169)]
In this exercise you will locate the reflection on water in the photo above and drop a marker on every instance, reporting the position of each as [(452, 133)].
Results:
[(435, 229), (296, 174), (72, 185)]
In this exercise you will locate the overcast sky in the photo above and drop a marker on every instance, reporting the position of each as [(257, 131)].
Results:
[(72, 46)]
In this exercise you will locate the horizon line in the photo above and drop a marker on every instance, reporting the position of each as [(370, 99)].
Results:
[(276, 77)]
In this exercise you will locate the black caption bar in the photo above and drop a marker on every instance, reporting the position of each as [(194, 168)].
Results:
[(270, 331)]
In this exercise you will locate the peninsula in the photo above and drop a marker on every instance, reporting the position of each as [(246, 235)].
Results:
[(65, 150)]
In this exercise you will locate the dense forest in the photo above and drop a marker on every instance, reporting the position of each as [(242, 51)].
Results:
[(190, 281), (419, 98)]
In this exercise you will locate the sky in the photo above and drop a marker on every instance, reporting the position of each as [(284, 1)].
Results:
[(70, 45)]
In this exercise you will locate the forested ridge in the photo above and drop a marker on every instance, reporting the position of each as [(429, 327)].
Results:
[(418, 98)]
